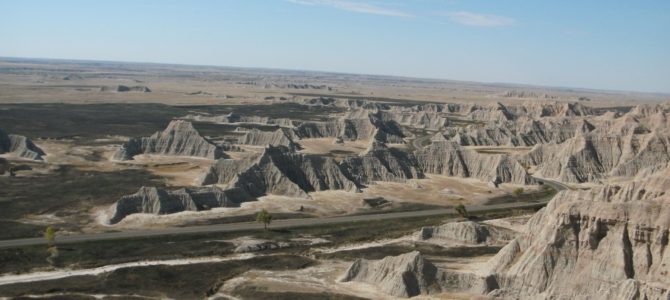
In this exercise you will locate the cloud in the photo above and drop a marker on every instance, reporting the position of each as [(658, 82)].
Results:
[(480, 20), (358, 7)]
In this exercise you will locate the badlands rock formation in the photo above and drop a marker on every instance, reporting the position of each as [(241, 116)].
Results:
[(636, 142), (380, 163), (233, 118), (356, 125), (468, 233), (405, 275), (532, 109), (605, 243), (313, 172), (430, 118), (280, 171), (20, 146), (179, 138), (154, 200), (278, 137), (448, 158), (522, 132)]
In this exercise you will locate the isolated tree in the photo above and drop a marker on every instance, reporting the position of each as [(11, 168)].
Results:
[(264, 217), (517, 192), (50, 236), (460, 209)]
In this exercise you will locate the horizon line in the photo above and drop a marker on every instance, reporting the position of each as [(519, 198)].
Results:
[(491, 83)]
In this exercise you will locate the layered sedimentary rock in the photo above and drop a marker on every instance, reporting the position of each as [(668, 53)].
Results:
[(431, 118), (257, 137), (352, 129), (522, 132), (621, 145), (356, 125), (179, 138), (594, 156), (380, 163), (233, 118), (448, 158), (491, 113), (404, 275), (223, 171), (605, 243), (318, 129), (155, 200), (539, 109), (20, 146), (468, 232), (280, 171), (387, 131)]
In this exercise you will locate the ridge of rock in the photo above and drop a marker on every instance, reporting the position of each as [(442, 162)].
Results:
[(405, 275), (19, 145), (603, 243), (381, 163), (449, 158), (179, 138), (467, 232), (280, 171), (155, 200)]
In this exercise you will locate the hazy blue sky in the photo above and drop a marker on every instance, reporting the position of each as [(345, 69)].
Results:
[(623, 45)]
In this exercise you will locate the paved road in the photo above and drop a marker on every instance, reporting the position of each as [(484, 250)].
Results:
[(288, 223), (557, 185)]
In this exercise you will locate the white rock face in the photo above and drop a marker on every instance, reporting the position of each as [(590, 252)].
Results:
[(380, 163), (263, 138), (522, 132), (280, 171), (604, 243), (355, 125), (19, 145), (160, 201), (594, 156), (179, 138), (430, 117), (448, 158), (627, 145), (312, 172), (468, 233), (406, 275)]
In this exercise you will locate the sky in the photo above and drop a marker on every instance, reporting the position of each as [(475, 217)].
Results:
[(619, 45)]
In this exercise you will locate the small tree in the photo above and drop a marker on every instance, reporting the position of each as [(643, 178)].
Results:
[(460, 209), (50, 236), (264, 217), (517, 192)]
